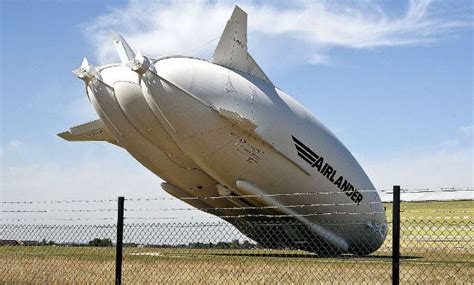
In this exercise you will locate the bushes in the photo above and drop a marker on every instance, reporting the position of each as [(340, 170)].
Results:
[(97, 242)]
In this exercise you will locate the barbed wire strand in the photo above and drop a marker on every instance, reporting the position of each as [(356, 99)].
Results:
[(411, 191), (58, 219), (428, 218), (193, 208)]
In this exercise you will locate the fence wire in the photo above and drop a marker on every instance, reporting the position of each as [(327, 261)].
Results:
[(256, 245)]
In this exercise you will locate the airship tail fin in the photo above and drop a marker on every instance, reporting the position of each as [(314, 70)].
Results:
[(91, 131), (124, 51), (231, 51)]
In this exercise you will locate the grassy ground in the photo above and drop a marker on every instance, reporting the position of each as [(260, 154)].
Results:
[(433, 251), (434, 211)]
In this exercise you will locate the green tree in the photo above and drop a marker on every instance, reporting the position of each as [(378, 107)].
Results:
[(97, 242)]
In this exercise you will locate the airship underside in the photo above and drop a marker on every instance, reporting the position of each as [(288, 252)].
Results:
[(221, 128)]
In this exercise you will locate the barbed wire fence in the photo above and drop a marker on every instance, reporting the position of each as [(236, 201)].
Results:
[(160, 240)]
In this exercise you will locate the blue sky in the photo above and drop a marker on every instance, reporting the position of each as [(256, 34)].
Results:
[(393, 80)]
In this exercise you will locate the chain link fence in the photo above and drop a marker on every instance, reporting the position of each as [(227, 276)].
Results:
[(161, 245)]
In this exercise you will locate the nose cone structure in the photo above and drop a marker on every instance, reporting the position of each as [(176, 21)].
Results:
[(221, 128)]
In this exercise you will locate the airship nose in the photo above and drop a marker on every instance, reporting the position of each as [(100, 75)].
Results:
[(370, 237)]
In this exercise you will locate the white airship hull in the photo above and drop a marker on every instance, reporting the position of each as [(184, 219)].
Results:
[(212, 129)]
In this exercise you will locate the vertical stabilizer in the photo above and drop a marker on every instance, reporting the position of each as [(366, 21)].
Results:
[(124, 51), (231, 51)]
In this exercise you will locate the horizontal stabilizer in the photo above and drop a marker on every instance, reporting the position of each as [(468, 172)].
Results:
[(91, 131), (231, 51)]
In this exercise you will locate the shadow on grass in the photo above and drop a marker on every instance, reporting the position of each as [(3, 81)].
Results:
[(311, 256)]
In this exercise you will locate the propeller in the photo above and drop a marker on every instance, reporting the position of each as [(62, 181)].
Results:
[(137, 62), (86, 72), (140, 64)]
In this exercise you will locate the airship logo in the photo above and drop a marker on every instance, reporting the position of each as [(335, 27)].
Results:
[(317, 161)]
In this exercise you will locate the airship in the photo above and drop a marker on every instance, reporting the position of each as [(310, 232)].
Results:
[(221, 128)]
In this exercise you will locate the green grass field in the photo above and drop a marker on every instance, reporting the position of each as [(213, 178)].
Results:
[(462, 210), (434, 250)]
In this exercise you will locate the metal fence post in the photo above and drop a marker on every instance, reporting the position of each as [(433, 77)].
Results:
[(119, 242), (396, 236)]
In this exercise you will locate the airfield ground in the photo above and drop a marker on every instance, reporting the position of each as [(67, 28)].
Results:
[(430, 254)]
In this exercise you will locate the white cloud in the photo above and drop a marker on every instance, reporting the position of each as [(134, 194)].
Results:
[(446, 165), (16, 144), (176, 27), (433, 168), (467, 130), (319, 58), (78, 108), (85, 179), (106, 177)]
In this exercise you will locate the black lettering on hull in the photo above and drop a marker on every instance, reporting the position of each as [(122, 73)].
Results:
[(317, 161)]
